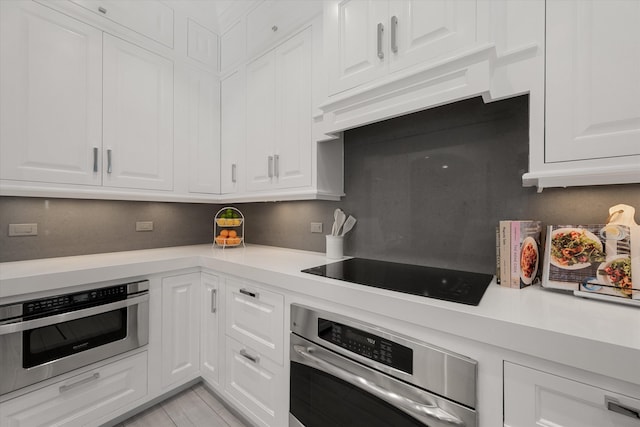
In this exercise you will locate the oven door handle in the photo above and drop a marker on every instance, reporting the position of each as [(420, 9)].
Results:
[(410, 407), (25, 325)]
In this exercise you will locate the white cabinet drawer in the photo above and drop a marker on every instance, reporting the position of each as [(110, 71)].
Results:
[(535, 398), (150, 18), (255, 318), (273, 20), (256, 383), (81, 399)]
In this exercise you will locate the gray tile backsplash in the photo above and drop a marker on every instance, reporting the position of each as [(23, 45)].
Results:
[(427, 188)]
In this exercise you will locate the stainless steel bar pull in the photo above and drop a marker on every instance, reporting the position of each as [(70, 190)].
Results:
[(254, 359), (102, 10), (233, 173), (614, 406), (276, 161), (249, 293), (214, 298), (394, 34), (109, 169), (95, 159), (380, 31), (270, 167)]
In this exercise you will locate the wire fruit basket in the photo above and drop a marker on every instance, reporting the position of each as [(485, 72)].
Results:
[(228, 228)]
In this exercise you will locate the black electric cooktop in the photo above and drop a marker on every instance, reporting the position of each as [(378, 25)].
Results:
[(450, 285)]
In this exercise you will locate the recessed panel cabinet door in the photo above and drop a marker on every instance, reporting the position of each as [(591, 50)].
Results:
[(592, 80), (138, 117), (356, 48), (210, 344), (203, 111), (293, 112), (422, 31), (51, 96), (232, 131), (261, 122), (181, 299)]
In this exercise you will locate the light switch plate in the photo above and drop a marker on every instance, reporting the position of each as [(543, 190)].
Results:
[(316, 227), (23, 229)]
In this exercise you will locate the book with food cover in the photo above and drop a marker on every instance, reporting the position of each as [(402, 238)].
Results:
[(525, 253), (592, 259), (505, 266)]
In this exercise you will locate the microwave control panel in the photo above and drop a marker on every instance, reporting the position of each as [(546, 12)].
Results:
[(71, 301)]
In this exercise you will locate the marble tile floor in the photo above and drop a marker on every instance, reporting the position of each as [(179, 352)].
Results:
[(193, 407)]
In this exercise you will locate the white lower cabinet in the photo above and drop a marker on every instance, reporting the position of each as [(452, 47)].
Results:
[(255, 383), (209, 330), (180, 328), (535, 398), (82, 399)]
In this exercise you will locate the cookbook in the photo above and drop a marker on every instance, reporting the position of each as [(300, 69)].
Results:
[(595, 259)]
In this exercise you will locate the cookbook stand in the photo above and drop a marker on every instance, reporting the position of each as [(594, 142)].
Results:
[(228, 228)]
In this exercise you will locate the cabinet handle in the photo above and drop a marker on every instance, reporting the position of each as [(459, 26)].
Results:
[(249, 293), (274, 28), (95, 159), (109, 170), (233, 172), (614, 406), (254, 359), (102, 10), (276, 160), (270, 166), (380, 31), (65, 388), (214, 298), (394, 34)]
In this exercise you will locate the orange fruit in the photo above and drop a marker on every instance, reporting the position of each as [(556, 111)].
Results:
[(232, 233), (225, 233), (220, 240)]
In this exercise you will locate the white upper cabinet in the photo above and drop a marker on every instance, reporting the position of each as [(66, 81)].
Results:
[(151, 18), (138, 117), (278, 145), (51, 103), (592, 83), (591, 104), (232, 131), (202, 45), (369, 39)]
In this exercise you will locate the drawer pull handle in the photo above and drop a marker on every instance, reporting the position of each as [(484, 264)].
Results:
[(65, 388), (102, 10), (249, 293), (614, 406), (254, 359)]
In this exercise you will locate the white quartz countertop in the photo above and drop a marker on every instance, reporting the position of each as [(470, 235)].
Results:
[(593, 335)]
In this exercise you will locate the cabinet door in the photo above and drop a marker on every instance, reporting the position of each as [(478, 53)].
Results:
[(209, 329), (138, 117), (535, 398), (255, 383), (82, 399), (180, 328), (204, 131), (355, 52), (592, 89), (51, 103), (293, 112), (426, 30), (261, 120), (232, 124), (255, 317)]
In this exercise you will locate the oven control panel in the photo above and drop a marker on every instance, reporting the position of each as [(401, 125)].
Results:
[(367, 345), (69, 301)]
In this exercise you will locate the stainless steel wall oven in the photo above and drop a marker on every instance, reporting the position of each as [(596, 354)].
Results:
[(348, 373), (42, 338)]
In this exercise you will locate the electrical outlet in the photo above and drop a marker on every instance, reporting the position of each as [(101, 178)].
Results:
[(316, 227), (23, 229), (144, 225)]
